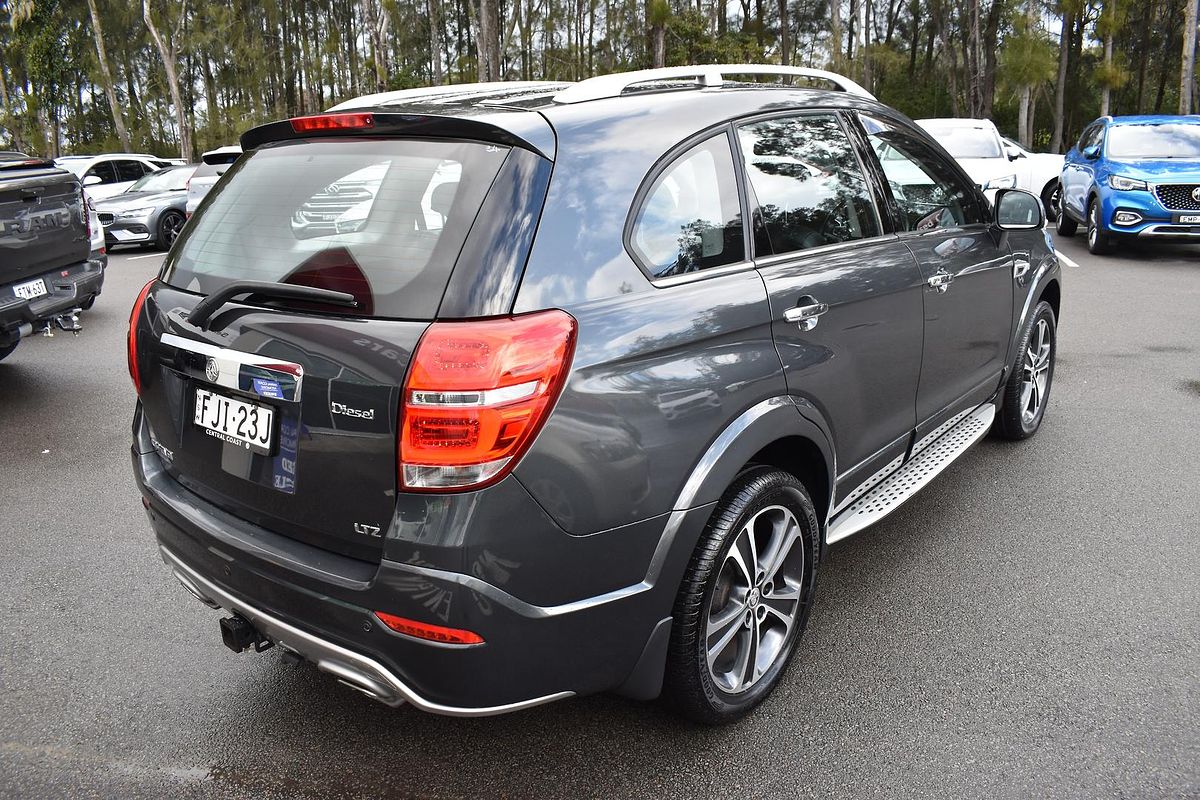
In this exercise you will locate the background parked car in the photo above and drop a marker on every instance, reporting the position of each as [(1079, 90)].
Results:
[(1133, 176), (110, 174), (151, 211), (995, 162), (212, 166)]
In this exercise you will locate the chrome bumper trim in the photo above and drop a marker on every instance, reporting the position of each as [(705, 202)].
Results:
[(354, 669), (1169, 231)]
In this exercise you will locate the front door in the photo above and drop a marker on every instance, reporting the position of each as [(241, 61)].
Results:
[(968, 285), (845, 293)]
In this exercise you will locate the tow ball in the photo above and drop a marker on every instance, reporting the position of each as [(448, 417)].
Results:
[(68, 321), (239, 635)]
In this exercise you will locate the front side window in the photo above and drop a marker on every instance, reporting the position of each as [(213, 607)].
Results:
[(808, 182), (104, 171), (130, 170), (928, 192), (691, 219)]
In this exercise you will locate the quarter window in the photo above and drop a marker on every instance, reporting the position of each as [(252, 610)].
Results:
[(928, 192), (808, 182), (691, 219)]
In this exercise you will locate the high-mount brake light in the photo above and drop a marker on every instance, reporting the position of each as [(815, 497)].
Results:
[(332, 122), (424, 630), (134, 316), (477, 394)]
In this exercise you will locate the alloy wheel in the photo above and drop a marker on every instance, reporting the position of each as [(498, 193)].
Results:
[(757, 600), (1035, 372), (171, 226)]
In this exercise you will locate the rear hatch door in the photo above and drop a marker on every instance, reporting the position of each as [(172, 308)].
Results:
[(284, 412), (43, 221)]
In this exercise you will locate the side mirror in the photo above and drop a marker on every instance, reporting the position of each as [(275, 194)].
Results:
[(1013, 153), (1019, 210), (1091, 152), (92, 180)]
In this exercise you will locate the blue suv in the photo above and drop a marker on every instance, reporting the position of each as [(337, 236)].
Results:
[(1133, 176)]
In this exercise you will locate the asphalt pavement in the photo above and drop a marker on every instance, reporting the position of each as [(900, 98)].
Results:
[(1027, 626)]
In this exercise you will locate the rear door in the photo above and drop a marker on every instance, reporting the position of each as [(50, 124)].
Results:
[(285, 413), (968, 291), (845, 294)]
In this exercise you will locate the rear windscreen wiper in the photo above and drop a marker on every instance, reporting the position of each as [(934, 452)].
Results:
[(284, 291)]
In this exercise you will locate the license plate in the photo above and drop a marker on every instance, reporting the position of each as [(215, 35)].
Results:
[(1188, 219), (247, 425), (31, 289)]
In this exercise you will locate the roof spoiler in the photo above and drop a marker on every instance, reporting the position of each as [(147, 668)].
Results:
[(375, 123)]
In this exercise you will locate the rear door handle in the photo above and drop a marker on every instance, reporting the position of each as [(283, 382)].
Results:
[(806, 315), (940, 281)]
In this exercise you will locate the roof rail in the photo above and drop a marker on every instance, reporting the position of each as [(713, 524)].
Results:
[(451, 90), (705, 75)]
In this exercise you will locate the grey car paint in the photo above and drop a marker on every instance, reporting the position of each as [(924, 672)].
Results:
[(570, 566)]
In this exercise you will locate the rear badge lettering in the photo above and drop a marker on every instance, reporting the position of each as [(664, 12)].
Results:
[(366, 530), (347, 411)]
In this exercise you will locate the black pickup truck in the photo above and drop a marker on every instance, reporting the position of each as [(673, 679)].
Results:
[(46, 272)]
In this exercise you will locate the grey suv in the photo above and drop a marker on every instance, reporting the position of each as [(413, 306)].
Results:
[(485, 396)]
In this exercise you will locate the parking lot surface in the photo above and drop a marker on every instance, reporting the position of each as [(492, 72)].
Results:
[(1026, 626)]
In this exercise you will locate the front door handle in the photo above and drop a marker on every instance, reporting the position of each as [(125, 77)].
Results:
[(805, 313), (940, 281)]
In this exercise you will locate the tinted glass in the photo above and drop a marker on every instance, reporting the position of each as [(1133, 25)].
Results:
[(1171, 140), (691, 219), (928, 192), (383, 220), (104, 171), (166, 180), (809, 185), (967, 142), (130, 170), (210, 170)]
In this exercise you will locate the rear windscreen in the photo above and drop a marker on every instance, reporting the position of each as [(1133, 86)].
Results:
[(381, 219)]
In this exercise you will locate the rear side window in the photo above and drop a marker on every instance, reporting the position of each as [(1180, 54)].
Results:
[(808, 182), (691, 219), (130, 170), (381, 219)]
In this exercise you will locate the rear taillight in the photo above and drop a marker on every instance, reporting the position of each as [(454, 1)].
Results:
[(134, 316), (332, 122), (476, 396)]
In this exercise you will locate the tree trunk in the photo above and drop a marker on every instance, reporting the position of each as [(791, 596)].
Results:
[(435, 45), (785, 34), (1060, 87), (106, 78), (167, 54), (1187, 70), (488, 45), (835, 35), (1023, 117)]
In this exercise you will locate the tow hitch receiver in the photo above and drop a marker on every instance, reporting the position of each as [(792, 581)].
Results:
[(240, 635)]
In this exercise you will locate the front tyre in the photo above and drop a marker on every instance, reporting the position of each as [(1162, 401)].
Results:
[(1027, 390), (169, 226), (745, 599), (1051, 195), (1099, 243)]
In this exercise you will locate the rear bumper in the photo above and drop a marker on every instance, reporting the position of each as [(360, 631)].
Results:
[(320, 605), (68, 288)]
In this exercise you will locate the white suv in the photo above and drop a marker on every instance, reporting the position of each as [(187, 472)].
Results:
[(109, 174), (995, 162)]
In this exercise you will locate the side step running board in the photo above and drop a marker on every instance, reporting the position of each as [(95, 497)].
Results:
[(912, 477)]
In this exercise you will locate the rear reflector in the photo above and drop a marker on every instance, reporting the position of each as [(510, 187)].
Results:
[(332, 122), (134, 316), (476, 396), (423, 630)]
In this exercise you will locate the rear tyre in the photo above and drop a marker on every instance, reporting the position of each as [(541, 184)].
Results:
[(169, 226), (745, 599), (7, 349), (1027, 390), (1064, 225), (1099, 243)]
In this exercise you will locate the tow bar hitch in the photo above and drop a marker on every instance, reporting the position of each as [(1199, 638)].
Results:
[(68, 321), (240, 635)]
